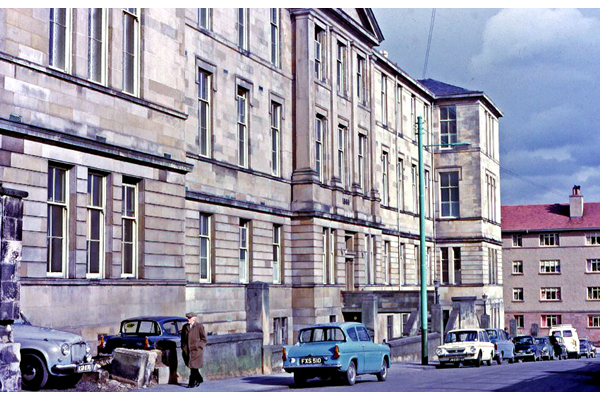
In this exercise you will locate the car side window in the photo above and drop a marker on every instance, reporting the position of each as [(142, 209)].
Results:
[(568, 334), (352, 335), (170, 327), (486, 338), (363, 335), (129, 327), (148, 328)]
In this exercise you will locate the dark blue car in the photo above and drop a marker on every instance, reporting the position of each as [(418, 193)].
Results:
[(145, 333)]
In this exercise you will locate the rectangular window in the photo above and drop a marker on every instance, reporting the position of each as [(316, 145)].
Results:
[(493, 266), (204, 106), (319, 147), (319, 53), (328, 256), (95, 222), (276, 139), (204, 18), (97, 44), (491, 195), (385, 185), (457, 265), (427, 195), (205, 247), (593, 265), (361, 80), (400, 183), (370, 259), (413, 116), (341, 68), (593, 321), (520, 320), (277, 262), (445, 265), (242, 28), (448, 131), (390, 327), (275, 36), (550, 267), (592, 238), (362, 148), (517, 240), (131, 46), (58, 211), (244, 247), (549, 239), (490, 134), (518, 294), (60, 38), (593, 293), (550, 294), (450, 194), (415, 188), (548, 321), (129, 222), (417, 256), (517, 267), (342, 165), (242, 124), (384, 116)]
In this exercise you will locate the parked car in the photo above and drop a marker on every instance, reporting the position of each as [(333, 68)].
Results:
[(546, 347), (527, 348), (145, 332), (504, 347), (585, 348), (466, 346), (343, 350), (48, 353), (567, 332), (560, 350)]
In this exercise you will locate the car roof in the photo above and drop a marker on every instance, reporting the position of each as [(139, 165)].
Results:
[(466, 330), (160, 319), (345, 325)]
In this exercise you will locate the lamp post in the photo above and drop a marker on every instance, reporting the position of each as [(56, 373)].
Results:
[(436, 285), (423, 272), (484, 297)]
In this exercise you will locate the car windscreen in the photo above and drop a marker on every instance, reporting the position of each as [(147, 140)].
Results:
[(557, 333), (568, 334), (492, 334), (540, 340), (462, 336), (523, 340), (322, 334)]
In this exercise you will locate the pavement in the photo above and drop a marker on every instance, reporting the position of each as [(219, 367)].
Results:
[(269, 383)]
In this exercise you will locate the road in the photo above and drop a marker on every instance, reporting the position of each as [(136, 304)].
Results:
[(581, 375)]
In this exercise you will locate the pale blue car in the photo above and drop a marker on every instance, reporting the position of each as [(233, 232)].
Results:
[(336, 350)]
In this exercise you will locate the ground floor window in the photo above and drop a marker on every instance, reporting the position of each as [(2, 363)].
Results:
[(548, 321), (593, 321), (280, 327)]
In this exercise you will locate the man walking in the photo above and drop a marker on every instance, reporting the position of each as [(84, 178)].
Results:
[(193, 340)]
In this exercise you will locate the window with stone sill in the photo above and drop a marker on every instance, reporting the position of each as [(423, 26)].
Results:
[(60, 38), (593, 293), (204, 112), (520, 320), (204, 18), (517, 240), (96, 207), (129, 226), (550, 294), (205, 234), (244, 250), (550, 267), (97, 44), (593, 266), (548, 321), (277, 261), (320, 50), (518, 294), (57, 225), (592, 238), (242, 125), (131, 50), (242, 28), (549, 239), (593, 321), (517, 267), (274, 13)]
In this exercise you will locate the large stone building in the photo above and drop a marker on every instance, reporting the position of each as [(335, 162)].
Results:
[(215, 159), (552, 266)]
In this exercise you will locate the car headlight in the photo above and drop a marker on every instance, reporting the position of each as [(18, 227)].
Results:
[(65, 349), (439, 351), (472, 349), (292, 360)]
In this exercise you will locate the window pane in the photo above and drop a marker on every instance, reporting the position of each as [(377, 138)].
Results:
[(127, 258), (56, 263), (56, 227), (94, 257), (95, 223)]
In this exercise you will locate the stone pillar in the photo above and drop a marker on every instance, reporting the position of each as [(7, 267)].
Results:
[(258, 310), (464, 308), (436, 318), (512, 327), (11, 232), (369, 314)]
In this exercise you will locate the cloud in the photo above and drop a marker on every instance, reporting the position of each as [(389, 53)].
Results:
[(538, 37)]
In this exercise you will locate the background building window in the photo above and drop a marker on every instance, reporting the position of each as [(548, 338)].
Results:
[(362, 148), (593, 293), (593, 265), (342, 165), (204, 120), (387, 262), (448, 130), (204, 18), (361, 80), (95, 221), (244, 248), (385, 184), (319, 53), (242, 125), (384, 116), (520, 320), (550, 294), (457, 265), (518, 294), (370, 259), (131, 45), (550, 267), (205, 247), (58, 207), (97, 44), (592, 238), (319, 147), (549, 239), (280, 329), (129, 221), (450, 194), (275, 36), (60, 38), (517, 267), (275, 139), (242, 28), (341, 68), (548, 321), (593, 321), (400, 183), (277, 262), (517, 240)]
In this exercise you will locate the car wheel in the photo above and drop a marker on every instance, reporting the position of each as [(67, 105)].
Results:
[(382, 374), (351, 374), (478, 360), (499, 359), (34, 373), (489, 361)]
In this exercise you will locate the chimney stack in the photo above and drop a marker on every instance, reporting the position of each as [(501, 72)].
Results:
[(576, 203)]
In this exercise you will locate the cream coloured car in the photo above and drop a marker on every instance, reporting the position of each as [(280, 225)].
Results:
[(466, 346)]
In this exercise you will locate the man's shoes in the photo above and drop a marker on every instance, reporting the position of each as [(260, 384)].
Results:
[(192, 385)]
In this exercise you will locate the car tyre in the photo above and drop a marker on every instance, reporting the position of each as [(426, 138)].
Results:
[(499, 359), (350, 377), (489, 362), (382, 374), (299, 379), (477, 362), (34, 373)]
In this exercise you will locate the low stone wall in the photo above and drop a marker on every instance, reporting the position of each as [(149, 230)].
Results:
[(272, 356), (408, 349)]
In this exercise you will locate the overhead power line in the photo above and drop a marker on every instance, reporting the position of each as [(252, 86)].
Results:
[(429, 42), (547, 189)]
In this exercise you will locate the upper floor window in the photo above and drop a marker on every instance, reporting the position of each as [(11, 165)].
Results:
[(593, 321), (427, 195), (205, 247), (275, 138), (517, 267), (413, 116), (550, 294), (204, 18), (361, 79), (387, 262), (242, 28), (370, 258), (517, 240), (490, 134), (244, 251), (400, 183), (129, 221), (491, 195), (384, 116), (131, 46), (549, 239), (384, 179), (275, 36), (593, 265), (319, 53), (592, 238), (242, 125), (550, 267), (60, 38), (329, 260), (95, 222), (593, 293), (414, 173), (493, 266), (97, 44), (341, 68), (362, 148), (448, 131), (518, 294), (342, 164), (204, 112), (277, 261), (319, 147), (449, 192)]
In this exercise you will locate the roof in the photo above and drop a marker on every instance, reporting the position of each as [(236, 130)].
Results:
[(547, 217), (154, 318), (444, 89), (334, 324)]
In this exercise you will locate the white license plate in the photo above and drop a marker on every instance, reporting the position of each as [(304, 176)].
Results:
[(311, 360), (85, 368), (455, 359)]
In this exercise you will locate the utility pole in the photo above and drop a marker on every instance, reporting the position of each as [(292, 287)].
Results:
[(424, 341)]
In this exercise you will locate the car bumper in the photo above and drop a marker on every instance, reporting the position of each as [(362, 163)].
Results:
[(64, 369), (314, 368), (457, 357), (524, 355)]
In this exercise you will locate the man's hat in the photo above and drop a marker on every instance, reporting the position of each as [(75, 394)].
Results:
[(190, 315)]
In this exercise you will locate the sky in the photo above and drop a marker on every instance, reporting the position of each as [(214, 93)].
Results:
[(541, 67)]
